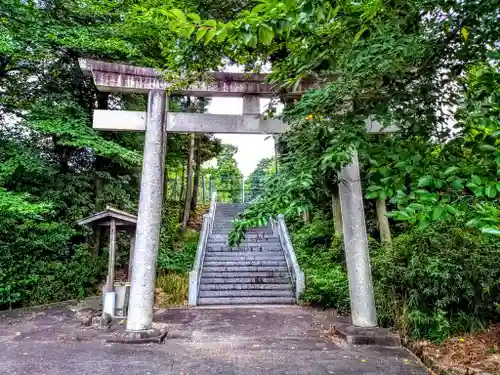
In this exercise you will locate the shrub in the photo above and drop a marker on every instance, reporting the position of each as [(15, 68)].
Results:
[(169, 232), (40, 265), (63, 280), (431, 284), (320, 256), (437, 282), (327, 288), (179, 260)]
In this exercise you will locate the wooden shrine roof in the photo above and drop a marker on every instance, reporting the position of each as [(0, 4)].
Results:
[(103, 218)]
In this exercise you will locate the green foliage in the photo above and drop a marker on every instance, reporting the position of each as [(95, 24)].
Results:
[(39, 264), (175, 259), (429, 181), (54, 168), (429, 67), (255, 184), (180, 260), (177, 252), (227, 177), (431, 284), (320, 257), (76, 277), (327, 289), (18, 205), (438, 281)]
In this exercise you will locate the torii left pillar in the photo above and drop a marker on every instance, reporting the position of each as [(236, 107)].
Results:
[(140, 311)]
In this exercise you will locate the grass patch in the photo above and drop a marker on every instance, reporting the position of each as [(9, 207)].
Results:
[(174, 265), (171, 290)]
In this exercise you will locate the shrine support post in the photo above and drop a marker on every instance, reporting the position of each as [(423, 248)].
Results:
[(140, 312)]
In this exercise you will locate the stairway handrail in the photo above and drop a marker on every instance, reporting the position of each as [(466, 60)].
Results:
[(296, 274), (206, 231)]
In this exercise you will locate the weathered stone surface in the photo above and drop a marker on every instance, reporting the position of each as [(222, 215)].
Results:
[(141, 337), (119, 120), (182, 122), (232, 341), (356, 246), (367, 336), (106, 320), (140, 312), (121, 77)]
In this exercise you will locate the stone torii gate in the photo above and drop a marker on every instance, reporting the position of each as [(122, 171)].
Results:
[(157, 122)]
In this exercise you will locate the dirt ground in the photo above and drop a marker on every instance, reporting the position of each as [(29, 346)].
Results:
[(473, 353)]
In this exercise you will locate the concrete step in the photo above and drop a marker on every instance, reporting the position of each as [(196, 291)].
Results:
[(218, 237), (226, 232), (247, 293), (229, 228), (224, 236), (242, 268), (236, 256), (246, 301), (244, 280), (244, 244), (283, 286), (243, 263), (228, 224), (253, 274), (252, 249)]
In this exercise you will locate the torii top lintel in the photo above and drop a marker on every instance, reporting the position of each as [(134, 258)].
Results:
[(113, 77)]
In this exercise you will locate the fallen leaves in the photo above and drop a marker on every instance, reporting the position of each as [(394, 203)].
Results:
[(477, 352)]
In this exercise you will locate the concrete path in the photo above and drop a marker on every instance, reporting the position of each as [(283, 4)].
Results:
[(240, 341)]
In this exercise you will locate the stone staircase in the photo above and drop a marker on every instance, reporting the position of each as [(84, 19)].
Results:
[(255, 272)]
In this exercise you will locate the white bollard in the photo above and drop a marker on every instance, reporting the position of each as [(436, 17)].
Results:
[(109, 303)]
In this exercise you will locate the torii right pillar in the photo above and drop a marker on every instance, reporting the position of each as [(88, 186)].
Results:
[(363, 313)]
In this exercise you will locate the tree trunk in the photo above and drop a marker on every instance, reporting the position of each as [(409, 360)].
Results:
[(337, 211), (174, 188), (306, 215), (196, 184), (183, 180), (275, 138), (383, 222), (189, 185), (165, 186), (203, 188)]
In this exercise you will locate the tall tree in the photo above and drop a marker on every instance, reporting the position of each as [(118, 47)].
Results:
[(197, 172), (189, 183)]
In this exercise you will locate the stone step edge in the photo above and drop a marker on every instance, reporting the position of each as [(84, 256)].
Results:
[(246, 293), (245, 300), (245, 280), (239, 269), (283, 286)]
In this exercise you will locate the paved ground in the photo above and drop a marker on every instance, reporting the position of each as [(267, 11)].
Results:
[(239, 341)]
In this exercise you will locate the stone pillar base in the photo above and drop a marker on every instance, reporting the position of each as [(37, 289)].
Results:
[(146, 336)]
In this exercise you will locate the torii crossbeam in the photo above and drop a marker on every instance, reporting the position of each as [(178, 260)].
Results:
[(157, 122)]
